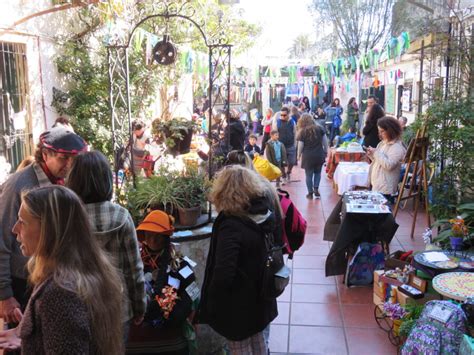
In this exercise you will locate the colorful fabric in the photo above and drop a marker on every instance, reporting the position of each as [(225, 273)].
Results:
[(335, 157), (431, 336)]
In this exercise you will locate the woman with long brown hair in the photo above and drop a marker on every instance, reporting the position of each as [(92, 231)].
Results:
[(75, 306), (312, 148)]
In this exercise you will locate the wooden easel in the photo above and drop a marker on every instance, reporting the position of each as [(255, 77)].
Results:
[(416, 157)]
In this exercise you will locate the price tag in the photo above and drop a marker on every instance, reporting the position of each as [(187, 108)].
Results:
[(441, 313), (173, 282), (190, 261), (193, 291), (185, 272)]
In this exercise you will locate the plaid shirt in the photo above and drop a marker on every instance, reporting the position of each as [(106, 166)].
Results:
[(113, 226)]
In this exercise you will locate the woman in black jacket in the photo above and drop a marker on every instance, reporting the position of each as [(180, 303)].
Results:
[(233, 301), (370, 131)]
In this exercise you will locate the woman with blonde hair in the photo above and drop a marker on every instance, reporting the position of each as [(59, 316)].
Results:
[(75, 306), (312, 149), (234, 300)]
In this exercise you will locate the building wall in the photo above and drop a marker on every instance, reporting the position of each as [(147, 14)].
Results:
[(40, 35)]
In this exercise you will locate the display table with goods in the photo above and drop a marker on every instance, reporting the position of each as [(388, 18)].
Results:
[(358, 217), (400, 295), (338, 155), (349, 176)]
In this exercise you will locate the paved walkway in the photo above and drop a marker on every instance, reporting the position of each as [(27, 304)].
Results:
[(318, 314)]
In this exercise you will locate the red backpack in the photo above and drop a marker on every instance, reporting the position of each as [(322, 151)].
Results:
[(294, 224)]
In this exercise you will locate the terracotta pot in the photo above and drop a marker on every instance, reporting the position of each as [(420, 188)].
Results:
[(189, 216)]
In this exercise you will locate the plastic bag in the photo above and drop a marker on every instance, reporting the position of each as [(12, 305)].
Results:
[(266, 169)]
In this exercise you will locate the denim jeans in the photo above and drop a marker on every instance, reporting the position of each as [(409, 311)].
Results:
[(313, 177), (335, 131)]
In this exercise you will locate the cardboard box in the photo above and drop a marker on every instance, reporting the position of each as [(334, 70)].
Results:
[(393, 261), (405, 299), (377, 300), (379, 287)]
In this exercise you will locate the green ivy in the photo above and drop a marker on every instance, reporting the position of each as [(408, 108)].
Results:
[(451, 134)]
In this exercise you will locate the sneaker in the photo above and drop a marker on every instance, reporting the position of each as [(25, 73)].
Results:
[(309, 196), (284, 181), (316, 194)]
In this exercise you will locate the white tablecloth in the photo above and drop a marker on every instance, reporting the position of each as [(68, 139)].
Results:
[(348, 175)]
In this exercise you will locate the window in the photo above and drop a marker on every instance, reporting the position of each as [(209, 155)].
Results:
[(15, 131)]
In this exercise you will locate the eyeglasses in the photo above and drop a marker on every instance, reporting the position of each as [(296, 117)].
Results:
[(284, 115)]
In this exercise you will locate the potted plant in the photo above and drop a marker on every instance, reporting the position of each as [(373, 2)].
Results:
[(192, 189), (159, 192), (459, 230), (176, 133)]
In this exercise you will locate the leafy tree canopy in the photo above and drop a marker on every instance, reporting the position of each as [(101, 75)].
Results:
[(360, 25)]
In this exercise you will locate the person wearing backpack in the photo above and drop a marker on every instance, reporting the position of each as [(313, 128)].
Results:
[(334, 119), (238, 299), (286, 128)]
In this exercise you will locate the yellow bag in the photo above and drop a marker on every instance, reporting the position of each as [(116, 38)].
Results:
[(265, 168)]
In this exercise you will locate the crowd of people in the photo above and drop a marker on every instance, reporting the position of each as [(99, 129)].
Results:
[(75, 272)]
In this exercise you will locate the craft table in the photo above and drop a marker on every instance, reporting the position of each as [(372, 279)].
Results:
[(349, 175), (348, 230), (455, 285), (337, 155)]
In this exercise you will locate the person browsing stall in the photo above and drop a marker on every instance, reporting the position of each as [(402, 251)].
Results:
[(387, 158), (54, 155), (75, 306)]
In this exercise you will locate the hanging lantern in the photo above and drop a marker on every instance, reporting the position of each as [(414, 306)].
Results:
[(164, 51)]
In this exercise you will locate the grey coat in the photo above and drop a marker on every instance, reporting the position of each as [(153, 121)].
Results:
[(56, 321), (12, 261)]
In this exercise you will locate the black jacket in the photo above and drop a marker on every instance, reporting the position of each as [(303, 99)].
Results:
[(232, 302), (236, 130), (371, 134)]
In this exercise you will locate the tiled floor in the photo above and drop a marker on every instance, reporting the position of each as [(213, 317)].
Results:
[(318, 314)]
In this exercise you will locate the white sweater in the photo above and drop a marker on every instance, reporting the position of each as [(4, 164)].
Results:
[(386, 166)]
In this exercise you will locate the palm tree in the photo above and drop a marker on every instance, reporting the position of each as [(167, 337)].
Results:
[(302, 47)]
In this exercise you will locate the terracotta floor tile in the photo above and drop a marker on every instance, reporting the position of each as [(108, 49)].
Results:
[(283, 313), (369, 341), (314, 293), (359, 315), (355, 295), (312, 276), (317, 340), (316, 314), (309, 262), (278, 338)]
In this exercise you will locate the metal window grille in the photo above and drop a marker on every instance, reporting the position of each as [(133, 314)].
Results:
[(15, 139)]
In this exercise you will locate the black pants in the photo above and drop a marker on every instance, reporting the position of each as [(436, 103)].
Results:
[(266, 138)]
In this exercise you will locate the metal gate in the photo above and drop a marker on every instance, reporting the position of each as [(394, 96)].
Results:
[(15, 125)]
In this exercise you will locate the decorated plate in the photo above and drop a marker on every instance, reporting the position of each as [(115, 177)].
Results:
[(467, 265), (420, 258), (455, 285), (448, 265)]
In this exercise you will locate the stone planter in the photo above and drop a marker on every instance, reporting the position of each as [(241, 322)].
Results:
[(189, 216)]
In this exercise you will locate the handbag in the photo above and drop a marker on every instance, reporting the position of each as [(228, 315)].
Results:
[(276, 274)]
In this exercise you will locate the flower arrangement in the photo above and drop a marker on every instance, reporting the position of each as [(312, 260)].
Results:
[(458, 228), (394, 310), (167, 301)]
